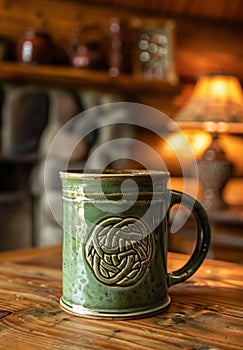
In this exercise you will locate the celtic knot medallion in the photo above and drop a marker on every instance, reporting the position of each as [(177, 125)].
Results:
[(119, 250)]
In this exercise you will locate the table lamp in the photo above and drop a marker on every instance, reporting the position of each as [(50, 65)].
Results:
[(216, 105)]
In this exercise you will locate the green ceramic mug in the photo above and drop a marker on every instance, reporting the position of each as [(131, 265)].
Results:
[(115, 233)]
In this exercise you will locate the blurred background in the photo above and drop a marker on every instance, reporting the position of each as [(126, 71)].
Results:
[(59, 58)]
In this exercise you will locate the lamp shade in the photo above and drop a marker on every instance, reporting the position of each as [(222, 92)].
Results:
[(216, 104)]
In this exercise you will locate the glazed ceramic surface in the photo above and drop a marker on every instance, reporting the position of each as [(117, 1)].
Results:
[(115, 231)]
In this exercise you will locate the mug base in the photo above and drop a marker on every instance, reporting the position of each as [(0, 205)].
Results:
[(81, 311)]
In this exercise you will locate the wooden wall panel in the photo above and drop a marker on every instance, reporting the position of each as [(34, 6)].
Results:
[(202, 44), (217, 9)]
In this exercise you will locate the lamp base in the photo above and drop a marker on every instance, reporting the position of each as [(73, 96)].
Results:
[(214, 172)]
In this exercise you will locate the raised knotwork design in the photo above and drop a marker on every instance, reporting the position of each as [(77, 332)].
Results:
[(119, 250)]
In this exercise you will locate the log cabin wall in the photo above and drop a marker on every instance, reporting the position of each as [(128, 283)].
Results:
[(207, 38)]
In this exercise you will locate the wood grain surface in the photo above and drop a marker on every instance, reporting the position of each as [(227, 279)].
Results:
[(205, 313)]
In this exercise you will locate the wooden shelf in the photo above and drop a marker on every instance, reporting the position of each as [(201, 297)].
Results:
[(69, 77)]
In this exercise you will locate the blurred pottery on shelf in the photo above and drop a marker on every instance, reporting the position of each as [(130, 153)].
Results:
[(87, 55), (87, 47), (5, 49), (35, 47)]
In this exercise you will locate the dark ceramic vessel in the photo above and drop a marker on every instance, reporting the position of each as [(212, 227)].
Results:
[(35, 47)]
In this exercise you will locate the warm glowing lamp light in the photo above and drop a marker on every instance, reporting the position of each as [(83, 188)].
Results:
[(216, 105), (216, 102)]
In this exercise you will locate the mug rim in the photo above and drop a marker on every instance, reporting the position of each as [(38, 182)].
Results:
[(109, 172)]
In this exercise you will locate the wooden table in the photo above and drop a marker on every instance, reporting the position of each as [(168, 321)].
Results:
[(206, 312)]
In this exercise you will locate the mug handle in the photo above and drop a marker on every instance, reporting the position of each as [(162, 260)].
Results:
[(202, 239)]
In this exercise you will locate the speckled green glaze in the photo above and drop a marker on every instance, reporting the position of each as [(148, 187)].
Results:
[(115, 235)]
